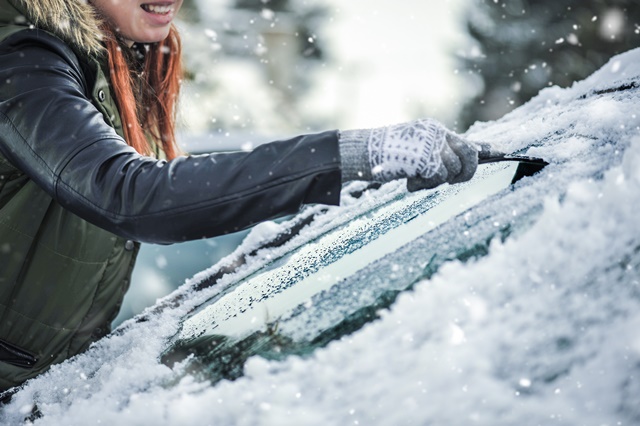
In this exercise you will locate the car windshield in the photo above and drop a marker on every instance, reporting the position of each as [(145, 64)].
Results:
[(335, 283)]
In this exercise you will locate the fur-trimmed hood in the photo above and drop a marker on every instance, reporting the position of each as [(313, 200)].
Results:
[(73, 21)]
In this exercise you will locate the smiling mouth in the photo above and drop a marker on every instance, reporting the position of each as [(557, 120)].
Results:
[(157, 9)]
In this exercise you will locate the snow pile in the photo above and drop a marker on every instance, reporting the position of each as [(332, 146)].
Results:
[(543, 330)]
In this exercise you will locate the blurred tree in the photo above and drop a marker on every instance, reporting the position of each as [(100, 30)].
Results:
[(282, 35), (189, 11), (522, 46), (250, 63), (306, 20)]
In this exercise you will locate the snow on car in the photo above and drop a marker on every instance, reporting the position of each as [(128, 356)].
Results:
[(521, 306)]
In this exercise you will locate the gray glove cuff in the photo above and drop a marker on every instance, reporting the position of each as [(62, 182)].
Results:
[(354, 155)]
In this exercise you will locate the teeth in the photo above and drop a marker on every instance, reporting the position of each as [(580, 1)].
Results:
[(160, 10)]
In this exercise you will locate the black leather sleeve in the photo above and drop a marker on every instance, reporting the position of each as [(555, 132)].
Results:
[(50, 130)]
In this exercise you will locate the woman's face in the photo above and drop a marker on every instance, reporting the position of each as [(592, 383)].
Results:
[(142, 21)]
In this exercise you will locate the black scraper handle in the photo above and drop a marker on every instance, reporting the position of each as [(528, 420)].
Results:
[(528, 166), (486, 154), (495, 158)]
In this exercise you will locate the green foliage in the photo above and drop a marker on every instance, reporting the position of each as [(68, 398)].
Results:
[(523, 46)]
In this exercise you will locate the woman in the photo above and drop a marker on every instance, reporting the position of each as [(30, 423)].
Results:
[(89, 167)]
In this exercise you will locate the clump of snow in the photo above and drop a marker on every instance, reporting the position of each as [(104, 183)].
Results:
[(542, 330)]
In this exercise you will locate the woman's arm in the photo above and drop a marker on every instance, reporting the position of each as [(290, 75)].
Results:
[(51, 131)]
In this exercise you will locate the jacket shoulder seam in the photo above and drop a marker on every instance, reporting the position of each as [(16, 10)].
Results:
[(55, 174)]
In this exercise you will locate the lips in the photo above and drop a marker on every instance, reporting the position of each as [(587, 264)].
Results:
[(160, 13), (158, 8)]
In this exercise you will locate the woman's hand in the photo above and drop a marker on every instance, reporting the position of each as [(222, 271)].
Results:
[(423, 151)]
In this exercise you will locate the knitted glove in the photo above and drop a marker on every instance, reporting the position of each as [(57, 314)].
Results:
[(423, 151)]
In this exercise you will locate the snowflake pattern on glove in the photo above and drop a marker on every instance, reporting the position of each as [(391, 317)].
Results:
[(406, 150)]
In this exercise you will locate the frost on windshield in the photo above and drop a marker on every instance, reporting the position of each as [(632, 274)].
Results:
[(543, 328), (334, 284)]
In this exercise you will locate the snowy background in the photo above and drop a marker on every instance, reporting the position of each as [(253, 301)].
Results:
[(372, 73), (542, 330)]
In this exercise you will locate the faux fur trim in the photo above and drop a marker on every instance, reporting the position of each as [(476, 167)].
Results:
[(74, 21)]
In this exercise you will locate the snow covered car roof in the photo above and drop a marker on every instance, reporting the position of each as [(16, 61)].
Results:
[(523, 308)]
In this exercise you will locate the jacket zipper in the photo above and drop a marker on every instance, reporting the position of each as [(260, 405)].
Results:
[(16, 356)]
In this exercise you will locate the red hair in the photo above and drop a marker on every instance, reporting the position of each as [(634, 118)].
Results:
[(147, 93)]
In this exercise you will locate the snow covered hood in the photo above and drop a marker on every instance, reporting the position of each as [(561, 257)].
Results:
[(545, 328)]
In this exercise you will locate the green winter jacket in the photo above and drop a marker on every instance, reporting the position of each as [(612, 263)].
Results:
[(74, 196)]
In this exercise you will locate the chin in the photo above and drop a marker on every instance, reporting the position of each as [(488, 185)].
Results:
[(150, 37)]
